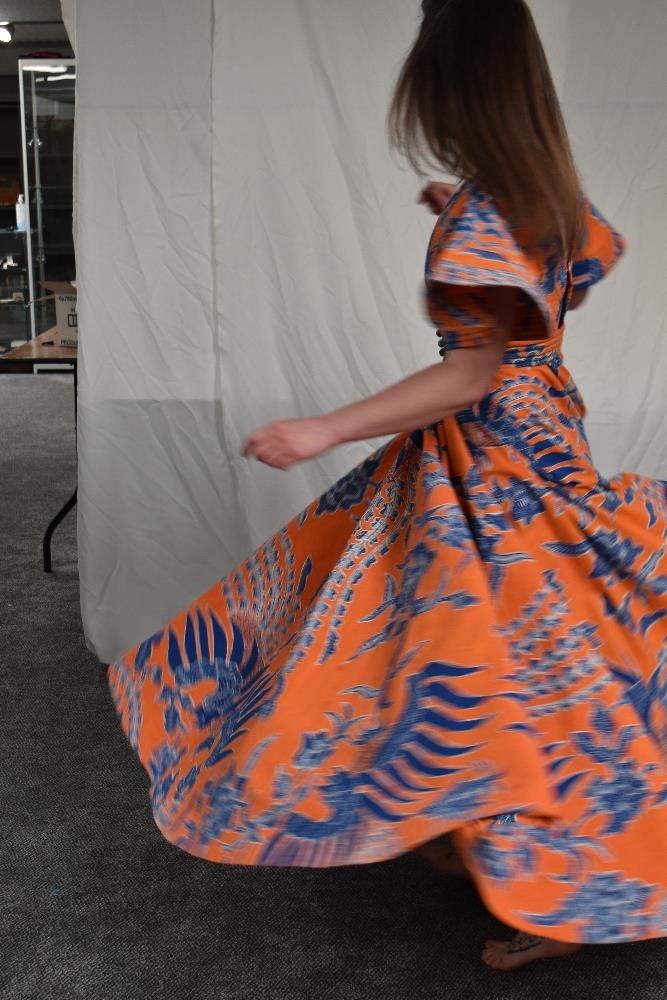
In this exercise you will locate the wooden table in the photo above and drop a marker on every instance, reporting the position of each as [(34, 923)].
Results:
[(42, 351)]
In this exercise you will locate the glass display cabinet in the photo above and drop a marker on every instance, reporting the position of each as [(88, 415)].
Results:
[(47, 88), (13, 265)]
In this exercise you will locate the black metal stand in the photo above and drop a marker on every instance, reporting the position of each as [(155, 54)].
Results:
[(60, 516), (64, 511)]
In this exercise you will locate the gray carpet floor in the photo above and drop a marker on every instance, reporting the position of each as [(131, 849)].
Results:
[(94, 904)]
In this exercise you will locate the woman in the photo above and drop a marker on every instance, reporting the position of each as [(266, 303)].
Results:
[(466, 634)]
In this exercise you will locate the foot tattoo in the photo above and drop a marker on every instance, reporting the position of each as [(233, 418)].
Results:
[(506, 956), (524, 942)]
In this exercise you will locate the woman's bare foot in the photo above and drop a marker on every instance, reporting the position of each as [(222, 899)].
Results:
[(443, 856), (507, 956)]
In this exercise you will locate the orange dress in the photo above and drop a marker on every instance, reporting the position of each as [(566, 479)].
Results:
[(466, 633)]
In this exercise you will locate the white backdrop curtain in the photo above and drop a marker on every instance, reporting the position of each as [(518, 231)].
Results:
[(248, 249), (68, 10)]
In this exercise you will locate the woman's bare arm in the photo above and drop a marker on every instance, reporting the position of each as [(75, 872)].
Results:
[(423, 398), (415, 402)]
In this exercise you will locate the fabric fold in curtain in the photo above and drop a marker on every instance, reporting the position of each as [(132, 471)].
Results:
[(248, 249)]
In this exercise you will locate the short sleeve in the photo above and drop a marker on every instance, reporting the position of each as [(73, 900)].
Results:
[(472, 250), (600, 249)]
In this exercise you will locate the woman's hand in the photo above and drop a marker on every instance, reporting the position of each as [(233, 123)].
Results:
[(287, 442), (436, 195)]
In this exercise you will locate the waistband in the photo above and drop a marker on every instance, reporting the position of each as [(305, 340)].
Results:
[(529, 353), (521, 353)]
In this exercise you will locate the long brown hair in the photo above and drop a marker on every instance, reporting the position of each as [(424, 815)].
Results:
[(476, 97)]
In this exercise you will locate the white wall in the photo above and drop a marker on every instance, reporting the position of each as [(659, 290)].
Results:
[(609, 61)]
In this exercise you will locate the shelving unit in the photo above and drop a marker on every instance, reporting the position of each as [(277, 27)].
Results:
[(14, 289), (47, 90)]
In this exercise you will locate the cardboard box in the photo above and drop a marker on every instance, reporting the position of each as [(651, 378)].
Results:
[(9, 190), (67, 326)]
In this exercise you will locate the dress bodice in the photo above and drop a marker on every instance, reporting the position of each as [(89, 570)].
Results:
[(473, 248)]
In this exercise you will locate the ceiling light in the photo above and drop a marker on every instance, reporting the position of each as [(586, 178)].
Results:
[(44, 68), (6, 31)]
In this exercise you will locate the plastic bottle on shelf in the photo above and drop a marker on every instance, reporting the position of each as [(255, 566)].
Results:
[(21, 221)]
